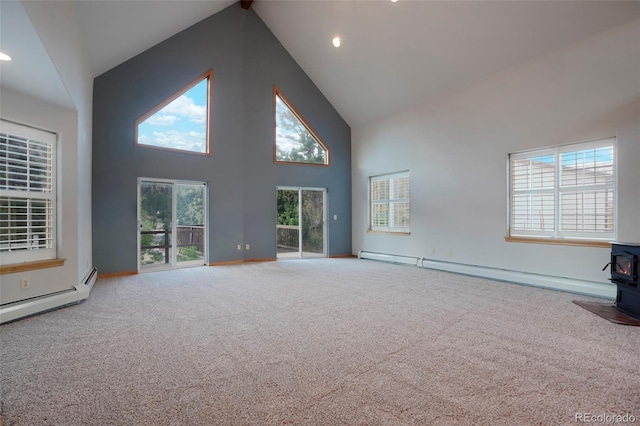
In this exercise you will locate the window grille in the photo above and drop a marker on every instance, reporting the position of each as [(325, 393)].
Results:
[(564, 192), (390, 202)]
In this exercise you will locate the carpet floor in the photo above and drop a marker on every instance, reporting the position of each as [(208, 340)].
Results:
[(323, 341)]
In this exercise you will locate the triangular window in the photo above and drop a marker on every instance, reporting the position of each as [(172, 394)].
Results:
[(295, 141), (181, 123)]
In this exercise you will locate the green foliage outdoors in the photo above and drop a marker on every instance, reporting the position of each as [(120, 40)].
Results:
[(190, 207), (312, 216), (312, 221), (148, 224), (188, 253), (306, 148), (156, 215), (155, 211), (287, 203), (156, 203)]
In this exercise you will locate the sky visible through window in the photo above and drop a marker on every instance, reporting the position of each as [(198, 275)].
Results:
[(294, 141), (590, 156), (181, 124)]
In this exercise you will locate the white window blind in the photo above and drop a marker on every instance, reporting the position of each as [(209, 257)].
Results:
[(27, 193), (390, 202), (564, 192)]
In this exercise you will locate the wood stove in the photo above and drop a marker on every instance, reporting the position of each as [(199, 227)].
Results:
[(624, 274)]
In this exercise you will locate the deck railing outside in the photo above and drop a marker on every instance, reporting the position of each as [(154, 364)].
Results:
[(187, 236), (288, 236)]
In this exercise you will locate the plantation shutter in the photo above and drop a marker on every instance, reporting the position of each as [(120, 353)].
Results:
[(533, 193), (27, 193), (390, 202), (586, 190), (564, 192)]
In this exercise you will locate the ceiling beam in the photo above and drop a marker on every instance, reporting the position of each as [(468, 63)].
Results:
[(245, 4)]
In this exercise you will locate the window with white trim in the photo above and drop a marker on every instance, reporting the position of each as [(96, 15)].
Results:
[(564, 192), (389, 202), (27, 194)]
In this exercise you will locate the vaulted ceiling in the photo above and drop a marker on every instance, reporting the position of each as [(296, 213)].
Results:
[(393, 55)]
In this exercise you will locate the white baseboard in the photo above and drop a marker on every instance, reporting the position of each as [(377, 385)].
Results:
[(48, 302), (590, 288)]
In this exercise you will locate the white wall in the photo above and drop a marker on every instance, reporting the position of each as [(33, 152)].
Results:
[(456, 150), (34, 112), (57, 25)]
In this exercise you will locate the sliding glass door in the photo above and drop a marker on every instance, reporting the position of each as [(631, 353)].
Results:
[(301, 219), (312, 222), (190, 223), (171, 224)]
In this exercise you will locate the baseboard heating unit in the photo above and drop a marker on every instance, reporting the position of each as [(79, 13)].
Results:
[(590, 288), (73, 295)]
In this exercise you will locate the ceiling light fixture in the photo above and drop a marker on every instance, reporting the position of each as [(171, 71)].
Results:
[(336, 41), (394, 1), (4, 57)]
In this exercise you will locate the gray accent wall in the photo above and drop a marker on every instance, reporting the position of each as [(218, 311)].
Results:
[(247, 60)]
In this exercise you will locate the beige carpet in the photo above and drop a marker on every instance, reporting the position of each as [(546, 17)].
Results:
[(328, 342)]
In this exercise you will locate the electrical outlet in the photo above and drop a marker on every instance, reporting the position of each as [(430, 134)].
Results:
[(239, 247), (450, 253), (433, 252), (25, 283), (247, 247), (335, 217)]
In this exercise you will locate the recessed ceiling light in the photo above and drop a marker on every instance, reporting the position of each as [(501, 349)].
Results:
[(336, 41), (4, 57), (394, 1)]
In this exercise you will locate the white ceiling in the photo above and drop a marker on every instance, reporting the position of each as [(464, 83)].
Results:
[(393, 55), (31, 71), (115, 31)]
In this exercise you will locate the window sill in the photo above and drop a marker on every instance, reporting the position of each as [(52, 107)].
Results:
[(31, 266), (369, 231), (558, 241), (300, 163)]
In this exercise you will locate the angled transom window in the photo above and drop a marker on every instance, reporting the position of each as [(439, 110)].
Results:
[(295, 140), (182, 122)]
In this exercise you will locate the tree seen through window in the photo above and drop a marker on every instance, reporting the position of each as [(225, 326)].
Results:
[(295, 140)]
